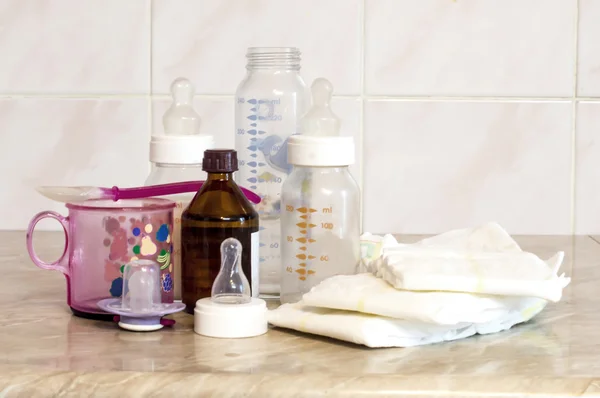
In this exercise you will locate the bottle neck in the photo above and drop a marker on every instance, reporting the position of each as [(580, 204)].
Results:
[(273, 59), (274, 71), (219, 177)]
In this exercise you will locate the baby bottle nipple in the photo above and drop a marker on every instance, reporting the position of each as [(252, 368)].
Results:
[(181, 118), (230, 312), (320, 120), (231, 285), (182, 143)]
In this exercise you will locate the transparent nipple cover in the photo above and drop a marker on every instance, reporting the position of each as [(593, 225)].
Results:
[(231, 285), (141, 286), (181, 118)]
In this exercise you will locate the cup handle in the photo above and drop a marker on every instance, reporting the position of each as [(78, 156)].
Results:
[(59, 264)]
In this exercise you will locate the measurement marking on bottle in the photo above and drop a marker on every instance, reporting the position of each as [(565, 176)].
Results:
[(251, 148), (305, 240), (306, 210), (260, 132), (304, 227)]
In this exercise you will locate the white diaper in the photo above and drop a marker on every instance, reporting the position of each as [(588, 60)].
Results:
[(369, 294), (379, 331), (430, 291)]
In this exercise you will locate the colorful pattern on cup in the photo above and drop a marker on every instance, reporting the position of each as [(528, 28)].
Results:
[(133, 239)]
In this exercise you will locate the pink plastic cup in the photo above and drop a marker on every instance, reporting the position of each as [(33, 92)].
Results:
[(101, 236)]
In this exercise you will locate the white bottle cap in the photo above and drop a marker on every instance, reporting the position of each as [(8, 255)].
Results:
[(182, 142), (230, 312), (320, 143)]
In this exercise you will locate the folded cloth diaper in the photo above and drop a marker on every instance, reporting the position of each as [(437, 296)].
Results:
[(513, 274), (488, 237), (482, 260), (378, 331), (369, 294), (366, 329)]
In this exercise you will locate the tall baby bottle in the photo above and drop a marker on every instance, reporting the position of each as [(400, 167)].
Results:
[(320, 219), (269, 102), (176, 156)]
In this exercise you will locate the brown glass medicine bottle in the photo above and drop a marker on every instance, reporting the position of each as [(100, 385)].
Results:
[(218, 211)]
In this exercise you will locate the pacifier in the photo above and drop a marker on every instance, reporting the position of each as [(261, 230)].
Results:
[(140, 308)]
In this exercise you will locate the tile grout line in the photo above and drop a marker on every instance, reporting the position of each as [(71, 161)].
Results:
[(150, 67), (150, 73), (361, 137), (201, 96), (472, 98), (361, 96), (573, 209)]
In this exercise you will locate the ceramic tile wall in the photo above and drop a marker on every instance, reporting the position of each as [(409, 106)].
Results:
[(464, 111)]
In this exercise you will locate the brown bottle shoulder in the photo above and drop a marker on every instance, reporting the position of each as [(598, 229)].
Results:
[(221, 200)]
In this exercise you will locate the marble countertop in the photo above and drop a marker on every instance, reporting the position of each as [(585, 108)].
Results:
[(45, 351)]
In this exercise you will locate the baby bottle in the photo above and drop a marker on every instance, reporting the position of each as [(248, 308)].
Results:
[(177, 156), (269, 103), (320, 217)]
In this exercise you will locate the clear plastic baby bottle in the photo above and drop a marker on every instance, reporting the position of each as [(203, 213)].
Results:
[(269, 102), (177, 156), (320, 219)]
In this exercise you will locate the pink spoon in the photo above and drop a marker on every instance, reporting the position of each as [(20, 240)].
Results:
[(80, 194)]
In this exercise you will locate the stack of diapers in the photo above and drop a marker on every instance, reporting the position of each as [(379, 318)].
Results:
[(448, 287)]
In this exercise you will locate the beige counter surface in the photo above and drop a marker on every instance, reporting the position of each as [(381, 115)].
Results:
[(45, 351)]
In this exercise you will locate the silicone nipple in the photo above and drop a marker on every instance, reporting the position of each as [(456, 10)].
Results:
[(230, 285), (141, 286), (320, 120), (181, 118)]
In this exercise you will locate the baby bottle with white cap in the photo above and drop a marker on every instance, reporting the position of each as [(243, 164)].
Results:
[(176, 156), (320, 209)]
